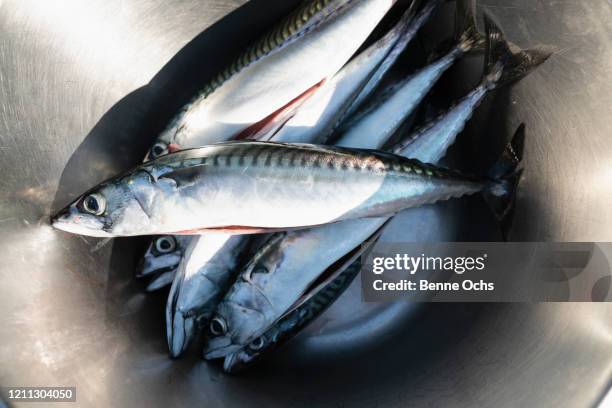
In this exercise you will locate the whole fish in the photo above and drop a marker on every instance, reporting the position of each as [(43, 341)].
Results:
[(315, 118), (233, 330), (308, 47), (249, 187)]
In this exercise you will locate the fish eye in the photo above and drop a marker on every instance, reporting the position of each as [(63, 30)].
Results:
[(94, 204), (159, 149), (257, 344), (165, 244), (217, 326)]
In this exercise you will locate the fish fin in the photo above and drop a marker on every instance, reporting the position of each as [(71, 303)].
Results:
[(184, 176), (502, 66), (500, 195), (467, 35)]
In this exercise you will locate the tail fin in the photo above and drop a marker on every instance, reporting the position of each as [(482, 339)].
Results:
[(506, 174), (467, 35), (502, 66)]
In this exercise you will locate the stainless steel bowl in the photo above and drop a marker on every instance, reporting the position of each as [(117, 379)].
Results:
[(84, 86)]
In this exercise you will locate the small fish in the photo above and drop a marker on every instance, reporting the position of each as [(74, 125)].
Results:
[(308, 47), (232, 332), (292, 323)]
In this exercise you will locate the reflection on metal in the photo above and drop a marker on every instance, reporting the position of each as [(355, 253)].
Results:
[(71, 114)]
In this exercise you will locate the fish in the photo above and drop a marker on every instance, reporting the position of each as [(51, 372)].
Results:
[(251, 187), (400, 100), (291, 323), (320, 110), (294, 262), (307, 48)]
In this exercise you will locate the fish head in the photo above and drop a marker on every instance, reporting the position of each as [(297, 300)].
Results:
[(234, 325), (110, 209), (163, 254)]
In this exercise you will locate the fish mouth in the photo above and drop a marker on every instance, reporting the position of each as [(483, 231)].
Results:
[(230, 365), (151, 264), (79, 224), (220, 347), (161, 280), (235, 362), (181, 334)]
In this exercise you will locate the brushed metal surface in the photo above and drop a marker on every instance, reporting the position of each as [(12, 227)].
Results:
[(84, 86)]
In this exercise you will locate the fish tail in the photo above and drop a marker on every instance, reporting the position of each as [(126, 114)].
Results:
[(502, 66), (467, 35), (505, 175)]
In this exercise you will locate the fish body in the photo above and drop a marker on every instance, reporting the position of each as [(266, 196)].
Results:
[(247, 187), (342, 94), (309, 46), (276, 277)]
